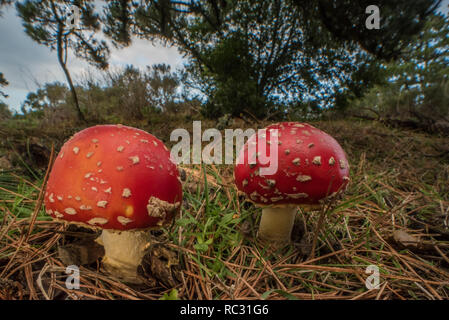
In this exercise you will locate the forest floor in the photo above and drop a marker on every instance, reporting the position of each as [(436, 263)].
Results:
[(394, 215)]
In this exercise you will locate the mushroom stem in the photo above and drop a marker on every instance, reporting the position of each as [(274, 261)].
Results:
[(124, 251), (276, 223)]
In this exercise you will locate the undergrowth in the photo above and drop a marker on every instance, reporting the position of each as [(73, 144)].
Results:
[(399, 190)]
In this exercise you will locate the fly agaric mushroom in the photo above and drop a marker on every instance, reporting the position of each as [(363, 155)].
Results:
[(312, 166), (119, 179)]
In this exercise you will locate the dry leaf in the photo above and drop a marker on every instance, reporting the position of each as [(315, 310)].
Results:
[(406, 239)]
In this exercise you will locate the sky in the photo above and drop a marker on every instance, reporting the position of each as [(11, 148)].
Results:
[(28, 65)]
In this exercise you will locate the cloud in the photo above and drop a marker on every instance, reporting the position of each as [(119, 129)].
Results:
[(143, 53), (444, 6)]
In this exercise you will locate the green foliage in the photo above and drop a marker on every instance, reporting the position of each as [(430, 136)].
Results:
[(232, 84), (129, 89), (16, 194), (52, 95), (258, 56), (51, 105), (117, 96), (5, 113), (172, 295), (3, 83), (216, 232), (400, 22), (163, 86), (143, 93), (263, 59), (418, 86), (47, 21)]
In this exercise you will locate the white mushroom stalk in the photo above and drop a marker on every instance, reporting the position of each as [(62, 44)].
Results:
[(124, 251), (276, 224)]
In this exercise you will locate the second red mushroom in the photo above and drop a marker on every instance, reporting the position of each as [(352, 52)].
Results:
[(312, 166)]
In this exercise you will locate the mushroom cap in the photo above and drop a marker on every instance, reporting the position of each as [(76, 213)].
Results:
[(311, 166), (114, 177)]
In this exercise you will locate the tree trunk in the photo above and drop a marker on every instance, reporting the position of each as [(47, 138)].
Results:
[(74, 95), (67, 74)]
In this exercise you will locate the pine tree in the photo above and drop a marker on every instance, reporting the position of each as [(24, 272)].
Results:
[(47, 23), (3, 83), (257, 56)]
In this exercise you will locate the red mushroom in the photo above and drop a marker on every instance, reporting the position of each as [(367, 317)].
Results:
[(312, 166), (119, 179)]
